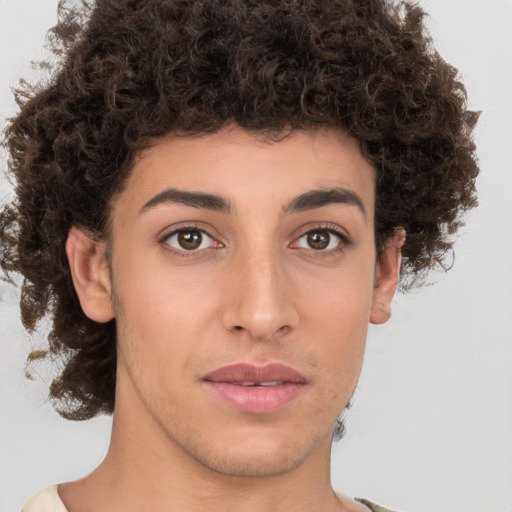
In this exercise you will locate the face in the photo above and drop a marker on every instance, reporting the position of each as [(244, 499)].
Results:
[(243, 276)]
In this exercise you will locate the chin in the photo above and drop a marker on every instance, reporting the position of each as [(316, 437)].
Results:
[(256, 453), (254, 465)]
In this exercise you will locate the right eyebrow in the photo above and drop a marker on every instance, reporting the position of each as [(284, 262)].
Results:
[(194, 199)]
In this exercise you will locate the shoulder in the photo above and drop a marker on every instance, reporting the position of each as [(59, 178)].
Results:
[(372, 506), (47, 500)]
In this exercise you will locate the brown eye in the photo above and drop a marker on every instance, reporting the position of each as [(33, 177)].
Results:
[(318, 240), (322, 239), (190, 239)]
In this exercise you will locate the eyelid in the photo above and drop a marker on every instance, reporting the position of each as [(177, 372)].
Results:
[(334, 229), (175, 229)]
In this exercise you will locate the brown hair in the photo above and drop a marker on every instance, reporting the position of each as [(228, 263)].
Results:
[(130, 70)]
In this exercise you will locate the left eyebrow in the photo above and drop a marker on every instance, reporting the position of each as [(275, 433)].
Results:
[(194, 199), (323, 197)]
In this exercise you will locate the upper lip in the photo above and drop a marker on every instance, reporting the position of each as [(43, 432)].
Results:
[(248, 372)]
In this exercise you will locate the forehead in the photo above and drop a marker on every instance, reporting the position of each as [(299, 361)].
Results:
[(247, 169)]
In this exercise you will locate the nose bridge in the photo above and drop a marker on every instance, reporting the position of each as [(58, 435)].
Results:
[(261, 302)]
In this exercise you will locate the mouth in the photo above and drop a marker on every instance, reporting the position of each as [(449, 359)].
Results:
[(256, 389), (264, 384)]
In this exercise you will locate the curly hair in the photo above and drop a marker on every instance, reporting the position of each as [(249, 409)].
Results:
[(132, 70)]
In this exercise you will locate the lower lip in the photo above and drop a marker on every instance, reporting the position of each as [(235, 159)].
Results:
[(256, 399)]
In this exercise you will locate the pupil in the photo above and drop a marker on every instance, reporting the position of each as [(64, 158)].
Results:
[(318, 240), (190, 239)]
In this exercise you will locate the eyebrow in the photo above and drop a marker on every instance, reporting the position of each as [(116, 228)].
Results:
[(323, 197), (307, 201), (194, 199)]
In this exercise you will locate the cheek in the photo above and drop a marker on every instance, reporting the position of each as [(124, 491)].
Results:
[(161, 315), (335, 313), (339, 302)]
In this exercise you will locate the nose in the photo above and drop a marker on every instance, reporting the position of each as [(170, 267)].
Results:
[(260, 301)]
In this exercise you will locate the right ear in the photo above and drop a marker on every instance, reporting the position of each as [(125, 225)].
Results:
[(91, 277)]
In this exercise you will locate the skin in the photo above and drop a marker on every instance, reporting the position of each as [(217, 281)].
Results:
[(255, 291)]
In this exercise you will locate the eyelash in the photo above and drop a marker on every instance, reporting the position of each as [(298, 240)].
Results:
[(345, 241), (183, 252)]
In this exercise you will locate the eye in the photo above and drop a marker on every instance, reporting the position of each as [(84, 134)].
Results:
[(189, 239), (322, 240)]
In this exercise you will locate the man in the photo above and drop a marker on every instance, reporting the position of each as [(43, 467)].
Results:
[(213, 201)]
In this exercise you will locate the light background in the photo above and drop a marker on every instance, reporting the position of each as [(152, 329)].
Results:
[(431, 425)]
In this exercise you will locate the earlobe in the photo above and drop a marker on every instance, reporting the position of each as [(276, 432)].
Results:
[(386, 279), (91, 278)]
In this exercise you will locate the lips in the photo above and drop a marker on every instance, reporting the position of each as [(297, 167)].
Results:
[(256, 389)]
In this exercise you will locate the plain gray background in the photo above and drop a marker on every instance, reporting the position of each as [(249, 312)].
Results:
[(431, 425)]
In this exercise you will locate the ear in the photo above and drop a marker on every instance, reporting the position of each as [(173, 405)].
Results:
[(90, 273), (386, 278)]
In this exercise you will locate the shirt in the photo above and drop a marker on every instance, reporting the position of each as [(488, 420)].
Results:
[(48, 500)]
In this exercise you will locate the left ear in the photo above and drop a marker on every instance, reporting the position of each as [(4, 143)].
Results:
[(386, 278)]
